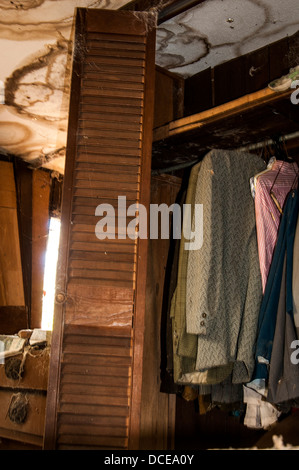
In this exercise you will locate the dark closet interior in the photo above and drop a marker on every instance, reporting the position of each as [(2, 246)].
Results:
[(225, 108)]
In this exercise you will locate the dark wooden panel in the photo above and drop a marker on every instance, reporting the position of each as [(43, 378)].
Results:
[(198, 94), (278, 59), (257, 70), (293, 49), (230, 80), (13, 319), (169, 96)]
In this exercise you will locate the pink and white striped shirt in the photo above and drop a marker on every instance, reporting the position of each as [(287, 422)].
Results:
[(267, 213)]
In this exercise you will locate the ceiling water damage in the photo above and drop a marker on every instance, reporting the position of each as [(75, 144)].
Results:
[(36, 45), (216, 31)]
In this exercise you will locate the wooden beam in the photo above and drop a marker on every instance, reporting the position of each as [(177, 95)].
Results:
[(166, 9), (219, 113), (23, 178)]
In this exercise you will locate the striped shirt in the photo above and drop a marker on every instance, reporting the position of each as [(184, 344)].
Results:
[(280, 179)]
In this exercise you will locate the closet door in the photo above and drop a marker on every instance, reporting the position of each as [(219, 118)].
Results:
[(94, 390)]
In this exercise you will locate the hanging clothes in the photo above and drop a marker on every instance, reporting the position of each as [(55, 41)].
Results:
[(185, 344), (168, 384), (296, 279), (283, 383), (271, 190), (253, 180), (269, 307), (259, 413), (178, 301), (224, 289)]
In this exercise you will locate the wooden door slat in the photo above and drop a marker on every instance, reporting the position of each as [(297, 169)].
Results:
[(92, 429), (113, 421), (111, 77), (116, 366), (116, 37), (102, 51), (98, 411), (106, 43)]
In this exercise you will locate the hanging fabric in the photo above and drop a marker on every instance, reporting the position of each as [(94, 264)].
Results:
[(223, 279), (227, 290), (271, 190), (253, 180), (295, 280), (184, 343), (269, 307), (283, 384)]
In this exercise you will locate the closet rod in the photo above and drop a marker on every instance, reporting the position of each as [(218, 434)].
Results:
[(259, 145), (256, 146)]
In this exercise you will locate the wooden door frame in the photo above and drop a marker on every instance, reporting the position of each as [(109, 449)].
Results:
[(61, 277), (142, 248), (142, 245)]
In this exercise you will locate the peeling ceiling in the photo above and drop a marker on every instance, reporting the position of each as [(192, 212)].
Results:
[(35, 51)]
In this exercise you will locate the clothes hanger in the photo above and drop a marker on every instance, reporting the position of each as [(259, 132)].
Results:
[(267, 156), (282, 154)]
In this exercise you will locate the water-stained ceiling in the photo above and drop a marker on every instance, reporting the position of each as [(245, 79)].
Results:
[(35, 49), (219, 30)]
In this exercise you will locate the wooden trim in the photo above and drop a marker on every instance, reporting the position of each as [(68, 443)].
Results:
[(109, 20), (142, 248), (23, 437), (23, 181), (219, 113), (61, 279), (41, 187), (167, 9)]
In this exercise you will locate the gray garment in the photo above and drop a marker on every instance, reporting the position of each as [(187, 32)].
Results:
[(224, 290), (283, 384), (184, 344)]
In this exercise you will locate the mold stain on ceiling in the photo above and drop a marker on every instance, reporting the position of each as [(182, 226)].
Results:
[(36, 52), (219, 30), (36, 45)]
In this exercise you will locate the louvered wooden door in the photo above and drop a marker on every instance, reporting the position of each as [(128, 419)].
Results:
[(95, 376)]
